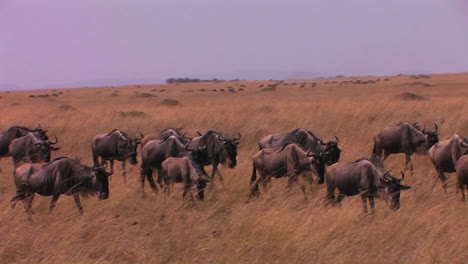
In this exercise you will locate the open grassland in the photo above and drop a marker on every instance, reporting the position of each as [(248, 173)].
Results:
[(279, 227)]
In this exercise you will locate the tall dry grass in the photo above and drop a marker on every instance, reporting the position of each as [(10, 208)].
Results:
[(280, 227)]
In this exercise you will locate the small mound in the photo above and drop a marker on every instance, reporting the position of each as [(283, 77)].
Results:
[(423, 84), (412, 97), (170, 102), (66, 107), (268, 89), (146, 95)]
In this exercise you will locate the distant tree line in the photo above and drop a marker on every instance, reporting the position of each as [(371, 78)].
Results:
[(195, 80)]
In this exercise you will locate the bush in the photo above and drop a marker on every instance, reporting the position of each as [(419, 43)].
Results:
[(132, 113)]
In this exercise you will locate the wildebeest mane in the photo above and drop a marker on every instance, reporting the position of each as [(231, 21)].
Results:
[(415, 124), (374, 160), (177, 130)]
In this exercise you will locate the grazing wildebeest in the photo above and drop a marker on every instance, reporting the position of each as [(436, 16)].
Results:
[(404, 138), (445, 154), (306, 140), (30, 149), (289, 161), (154, 153), (462, 174), (59, 176), (365, 177), (116, 145), (220, 150), (187, 170), (164, 134), (17, 132)]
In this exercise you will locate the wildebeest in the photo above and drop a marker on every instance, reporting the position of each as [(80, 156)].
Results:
[(116, 145), (445, 154), (306, 140), (164, 134), (289, 161), (220, 150), (404, 138), (17, 132), (462, 174), (59, 176), (30, 149), (365, 177), (187, 170), (155, 152)]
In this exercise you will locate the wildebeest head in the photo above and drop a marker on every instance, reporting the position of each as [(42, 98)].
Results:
[(102, 181), (331, 150), (43, 149), (317, 162), (432, 137), (230, 145), (392, 188), (198, 154), (39, 133), (128, 147)]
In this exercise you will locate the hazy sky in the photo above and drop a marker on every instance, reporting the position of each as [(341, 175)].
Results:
[(57, 41)]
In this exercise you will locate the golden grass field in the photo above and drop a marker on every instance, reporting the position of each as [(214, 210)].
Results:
[(279, 227)]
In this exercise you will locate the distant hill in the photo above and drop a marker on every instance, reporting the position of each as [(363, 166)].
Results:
[(9, 87)]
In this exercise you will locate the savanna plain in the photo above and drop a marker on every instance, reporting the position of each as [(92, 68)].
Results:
[(279, 227)]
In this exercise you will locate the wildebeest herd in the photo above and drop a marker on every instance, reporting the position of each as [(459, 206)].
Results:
[(179, 159)]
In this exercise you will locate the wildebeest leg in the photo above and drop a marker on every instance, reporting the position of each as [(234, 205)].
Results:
[(461, 188), (76, 198), (53, 202), (142, 179), (124, 173), (330, 198), (371, 202), (111, 166), (28, 204), (442, 177), (409, 164), (220, 176), (339, 198), (254, 191), (364, 202), (16, 198), (386, 154)]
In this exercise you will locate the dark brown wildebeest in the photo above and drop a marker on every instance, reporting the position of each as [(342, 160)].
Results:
[(365, 177), (187, 170), (60, 176), (154, 153), (17, 132), (116, 145), (462, 174), (306, 140), (220, 151), (290, 161), (404, 138), (164, 134), (30, 149), (445, 154)]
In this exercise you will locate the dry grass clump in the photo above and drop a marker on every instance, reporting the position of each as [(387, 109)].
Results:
[(132, 113), (423, 84), (280, 226), (66, 107), (146, 95)]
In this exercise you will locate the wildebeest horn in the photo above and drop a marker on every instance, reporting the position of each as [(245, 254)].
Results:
[(220, 137), (186, 146), (336, 139), (424, 129), (402, 176), (105, 165), (141, 136), (198, 133), (238, 137), (465, 140), (385, 176), (436, 128), (38, 127), (53, 143), (321, 142)]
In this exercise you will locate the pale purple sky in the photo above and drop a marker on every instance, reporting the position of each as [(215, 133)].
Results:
[(56, 41)]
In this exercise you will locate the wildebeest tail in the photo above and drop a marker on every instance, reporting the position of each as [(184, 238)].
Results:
[(253, 178)]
